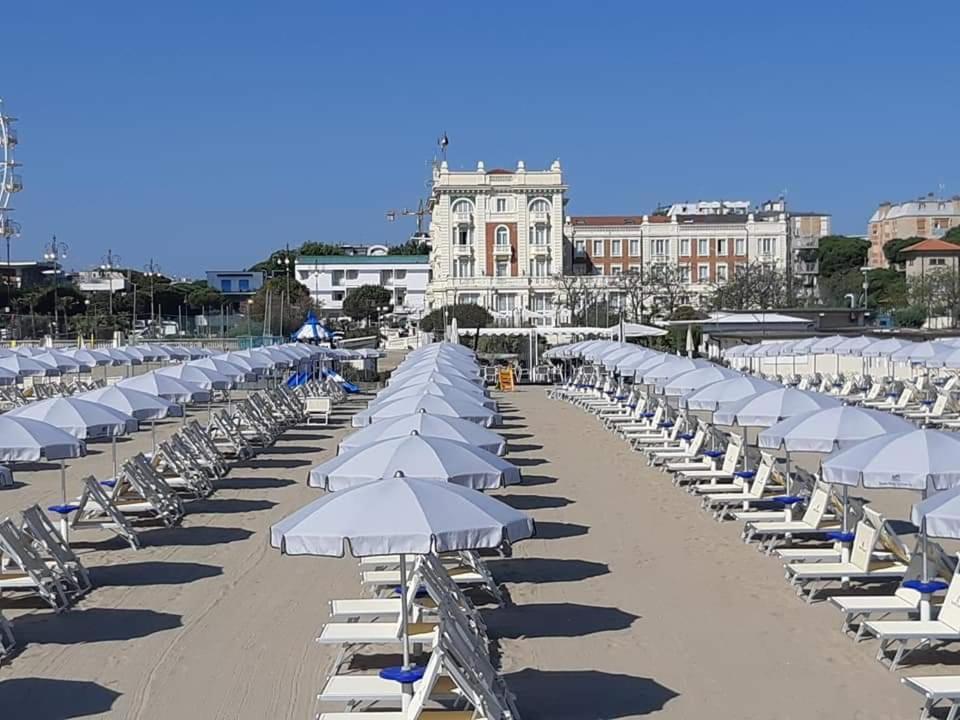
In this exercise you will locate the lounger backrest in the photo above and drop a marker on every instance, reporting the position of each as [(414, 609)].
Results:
[(764, 471), (38, 526), (731, 455), (817, 506), (864, 541), (905, 396), (698, 439), (887, 537), (18, 548), (425, 687), (950, 612), (874, 392), (939, 405)]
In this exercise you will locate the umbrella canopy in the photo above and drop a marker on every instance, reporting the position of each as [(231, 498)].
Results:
[(771, 407), (886, 347), (667, 369), (89, 358), (23, 366), (252, 363), (416, 456), (228, 369), (948, 359), (919, 352), (278, 356), (152, 353), (419, 373), (143, 406), (465, 367), (23, 439), (400, 515), (437, 426), (432, 404), (119, 357), (457, 381), (726, 393), (939, 514), (445, 391), (312, 329), (854, 345), (166, 387), (202, 377), (643, 358), (826, 430), (61, 361), (7, 377), (825, 346), (81, 418), (695, 379), (914, 460)]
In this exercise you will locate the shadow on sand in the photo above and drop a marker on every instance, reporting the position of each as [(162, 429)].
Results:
[(228, 506), (253, 483), (557, 694), (549, 530), (152, 573), (527, 462), (534, 502), (545, 570), (94, 625), (52, 699), (260, 463), (523, 447), (549, 620), (538, 479), (198, 536)]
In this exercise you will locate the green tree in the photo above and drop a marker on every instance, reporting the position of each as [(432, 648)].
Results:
[(410, 247), (887, 289), (317, 248), (272, 301), (911, 316), (204, 297), (893, 249), (468, 315), (364, 302), (756, 286), (953, 235), (840, 254)]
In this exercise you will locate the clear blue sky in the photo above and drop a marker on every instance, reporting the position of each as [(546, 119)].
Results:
[(205, 134)]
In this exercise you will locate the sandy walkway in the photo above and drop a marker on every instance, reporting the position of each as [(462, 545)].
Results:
[(635, 602)]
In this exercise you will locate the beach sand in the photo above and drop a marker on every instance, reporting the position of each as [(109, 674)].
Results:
[(631, 602)]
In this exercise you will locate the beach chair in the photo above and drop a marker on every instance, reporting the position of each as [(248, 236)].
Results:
[(690, 447), (937, 690), (893, 402), (898, 634), (53, 550), (317, 409), (470, 571), (95, 509), (742, 496), (177, 470), (863, 565), (904, 600), (816, 520), (666, 434), (704, 460), (711, 477), (140, 491), (23, 569), (644, 422), (198, 440), (228, 439)]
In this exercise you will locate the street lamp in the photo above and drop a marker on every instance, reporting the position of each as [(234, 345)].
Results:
[(284, 263), (53, 253), (109, 264), (152, 271), (866, 289), (250, 317)]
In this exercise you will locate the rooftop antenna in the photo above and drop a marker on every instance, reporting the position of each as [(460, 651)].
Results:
[(10, 182)]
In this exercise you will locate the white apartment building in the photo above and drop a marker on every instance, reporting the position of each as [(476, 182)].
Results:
[(706, 247), (497, 240), (330, 277)]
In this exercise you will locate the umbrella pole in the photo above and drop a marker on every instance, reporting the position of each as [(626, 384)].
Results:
[(153, 434), (407, 694), (64, 522), (113, 448), (924, 597)]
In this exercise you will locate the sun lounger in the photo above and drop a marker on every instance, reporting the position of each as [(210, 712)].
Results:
[(23, 569), (95, 509), (51, 547), (937, 689), (863, 565), (815, 521), (711, 477), (7, 639)]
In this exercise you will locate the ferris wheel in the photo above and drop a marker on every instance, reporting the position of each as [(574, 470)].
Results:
[(10, 182)]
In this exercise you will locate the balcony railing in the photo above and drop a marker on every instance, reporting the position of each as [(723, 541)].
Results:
[(463, 248), (540, 217), (463, 218), (502, 249)]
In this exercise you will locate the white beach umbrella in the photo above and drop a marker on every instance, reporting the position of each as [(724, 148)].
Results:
[(726, 393), (416, 456), (203, 377), (81, 418), (417, 374), (166, 387), (24, 439), (134, 352), (24, 366), (826, 345), (832, 428), (253, 363), (448, 392), (89, 358), (279, 358), (8, 377), (921, 351), (62, 362), (432, 404), (141, 405), (400, 516), (467, 368), (772, 406), (645, 358), (668, 369), (234, 372), (886, 347), (175, 352), (428, 425), (691, 380), (438, 379), (152, 353), (949, 359), (119, 357)]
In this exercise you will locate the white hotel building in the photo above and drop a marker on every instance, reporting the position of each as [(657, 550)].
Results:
[(497, 240), (330, 277)]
